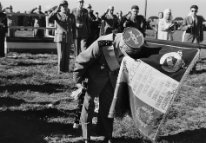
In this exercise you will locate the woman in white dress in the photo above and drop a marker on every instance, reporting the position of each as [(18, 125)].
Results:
[(165, 26)]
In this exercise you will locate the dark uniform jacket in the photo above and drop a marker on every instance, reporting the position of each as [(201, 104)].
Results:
[(91, 64), (3, 24), (82, 22), (65, 26)]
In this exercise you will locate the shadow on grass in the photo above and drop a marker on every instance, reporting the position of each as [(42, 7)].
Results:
[(193, 136), (8, 101), (43, 88), (14, 76), (30, 126), (27, 64), (127, 140), (200, 71)]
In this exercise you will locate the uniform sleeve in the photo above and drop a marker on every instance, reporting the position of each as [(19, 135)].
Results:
[(5, 24), (104, 17), (84, 60), (53, 15)]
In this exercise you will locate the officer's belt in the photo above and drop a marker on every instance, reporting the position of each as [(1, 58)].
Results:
[(110, 57)]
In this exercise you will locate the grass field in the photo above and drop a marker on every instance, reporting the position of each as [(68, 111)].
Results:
[(36, 107)]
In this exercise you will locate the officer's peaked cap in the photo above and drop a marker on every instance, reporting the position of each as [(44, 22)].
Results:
[(132, 40), (80, 0)]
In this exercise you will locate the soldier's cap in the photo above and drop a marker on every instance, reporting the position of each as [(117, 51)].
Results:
[(80, 0), (64, 2), (131, 40)]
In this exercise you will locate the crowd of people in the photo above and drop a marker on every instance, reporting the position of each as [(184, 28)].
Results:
[(99, 47), (192, 26)]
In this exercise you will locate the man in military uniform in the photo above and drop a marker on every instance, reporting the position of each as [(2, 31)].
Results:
[(100, 65), (82, 27), (3, 31), (39, 21), (64, 34)]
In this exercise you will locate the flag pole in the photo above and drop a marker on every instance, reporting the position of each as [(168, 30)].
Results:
[(145, 9)]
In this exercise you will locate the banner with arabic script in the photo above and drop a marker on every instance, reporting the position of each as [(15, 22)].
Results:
[(152, 84)]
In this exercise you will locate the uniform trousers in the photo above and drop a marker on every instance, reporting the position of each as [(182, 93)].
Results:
[(63, 56), (2, 51), (105, 124), (80, 45)]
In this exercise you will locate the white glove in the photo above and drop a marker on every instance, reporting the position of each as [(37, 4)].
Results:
[(76, 93)]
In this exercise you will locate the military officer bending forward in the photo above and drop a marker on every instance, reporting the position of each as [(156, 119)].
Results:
[(100, 64)]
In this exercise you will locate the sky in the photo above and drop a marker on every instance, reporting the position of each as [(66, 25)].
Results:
[(178, 7)]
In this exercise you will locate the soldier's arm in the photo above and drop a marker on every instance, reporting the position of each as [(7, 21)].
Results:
[(53, 15), (32, 10), (84, 60), (103, 17)]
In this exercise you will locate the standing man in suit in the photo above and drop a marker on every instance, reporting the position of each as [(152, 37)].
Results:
[(193, 26), (135, 20), (3, 31), (82, 27), (64, 34)]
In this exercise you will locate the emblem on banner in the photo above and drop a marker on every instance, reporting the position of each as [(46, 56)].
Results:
[(172, 62), (133, 38), (144, 116)]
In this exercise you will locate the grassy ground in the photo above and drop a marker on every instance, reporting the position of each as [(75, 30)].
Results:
[(36, 107)]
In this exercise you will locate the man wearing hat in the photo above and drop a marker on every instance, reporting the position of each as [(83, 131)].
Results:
[(3, 30), (100, 65), (82, 27), (135, 20), (64, 34)]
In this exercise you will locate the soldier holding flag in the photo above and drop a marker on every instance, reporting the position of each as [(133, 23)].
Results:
[(100, 64)]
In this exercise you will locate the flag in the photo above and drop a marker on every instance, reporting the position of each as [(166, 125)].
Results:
[(148, 86)]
